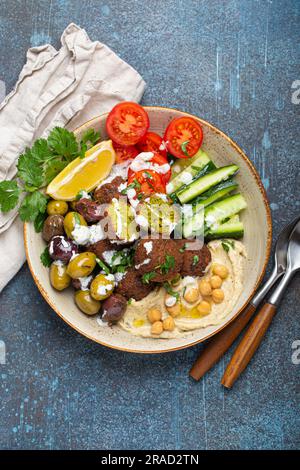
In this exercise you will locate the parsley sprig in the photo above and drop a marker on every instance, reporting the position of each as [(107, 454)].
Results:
[(37, 167)]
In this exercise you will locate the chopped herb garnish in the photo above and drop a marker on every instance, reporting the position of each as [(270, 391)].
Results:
[(77, 218), (171, 291), (129, 301), (197, 168), (89, 139), (146, 278), (103, 266), (195, 260), (167, 265), (46, 258), (227, 245), (134, 185), (182, 249), (148, 175), (183, 147), (79, 195)]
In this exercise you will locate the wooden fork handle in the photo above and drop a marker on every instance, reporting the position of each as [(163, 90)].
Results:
[(219, 344), (248, 345)]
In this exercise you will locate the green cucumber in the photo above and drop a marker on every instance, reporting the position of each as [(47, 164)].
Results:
[(231, 229), (204, 183), (189, 171), (215, 193), (194, 226), (222, 210)]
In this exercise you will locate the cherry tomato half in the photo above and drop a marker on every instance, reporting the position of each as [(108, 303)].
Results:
[(124, 153), (158, 160), (151, 142), (183, 137), (127, 123), (150, 182)]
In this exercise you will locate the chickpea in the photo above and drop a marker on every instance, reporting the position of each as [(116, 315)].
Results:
[(175, 310), (59, 278), (169, 324), (82, 265), (204, 307), (86, 303), (157, 328), (57, 207), (215, 282), (154, 315), (217, 296), (191, 295), (220, 270), (72, 219), (102, 286), (205, 287)]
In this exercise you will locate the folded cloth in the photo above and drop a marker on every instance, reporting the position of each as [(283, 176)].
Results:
[(64, 87)]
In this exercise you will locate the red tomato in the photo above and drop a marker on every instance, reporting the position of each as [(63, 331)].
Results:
[(151, 142), (159, 160), (127, 123), (124, 153), (150, 182), (183, 137)]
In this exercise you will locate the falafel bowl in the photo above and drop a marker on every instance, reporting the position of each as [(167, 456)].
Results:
[(147, 243)]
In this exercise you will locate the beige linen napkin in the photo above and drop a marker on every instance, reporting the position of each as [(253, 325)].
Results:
[(64, 87)]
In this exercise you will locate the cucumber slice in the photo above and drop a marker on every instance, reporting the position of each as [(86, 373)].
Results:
[(220, 211), (204, 183), (194, 226), (188, 173), (230, 229), (215, 193)]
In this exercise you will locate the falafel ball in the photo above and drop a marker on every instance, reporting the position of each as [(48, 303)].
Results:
[(195, 261), (108, 191), (161, 258), (132, 287)]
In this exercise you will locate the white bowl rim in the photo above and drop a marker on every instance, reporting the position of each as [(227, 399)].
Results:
[(260, 277)]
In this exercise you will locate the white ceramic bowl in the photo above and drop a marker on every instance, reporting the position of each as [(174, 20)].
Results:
[(258, 232)]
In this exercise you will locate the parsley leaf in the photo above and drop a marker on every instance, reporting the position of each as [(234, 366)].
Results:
[(167, 265), (39, 221), (9, 195), (146, 278), (29, 170), (45, 258), (33, 204), (103, 266), (183, 147), (63, 142), (171, 291), (195, 260), (88, 140)]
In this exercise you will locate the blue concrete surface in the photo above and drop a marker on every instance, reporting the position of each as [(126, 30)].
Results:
[(233, 63)]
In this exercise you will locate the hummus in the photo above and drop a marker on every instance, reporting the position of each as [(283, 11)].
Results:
[(230, 253)]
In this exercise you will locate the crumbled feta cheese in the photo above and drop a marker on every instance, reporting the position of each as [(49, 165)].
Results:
[(84, 282), (122, 187), (119, 277), (163, 145), (108, 256), (142, 162), (104, 289), (96, 233), (148, 247), (170, 188), (81, 234), (131, 193), (109, 277)]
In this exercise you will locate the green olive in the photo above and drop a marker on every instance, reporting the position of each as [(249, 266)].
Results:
[(82, 265), (57, 207), (86, 303), (102, 286), (59, 278), (72, 219)]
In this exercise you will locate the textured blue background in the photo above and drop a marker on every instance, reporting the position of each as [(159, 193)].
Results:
[(233, 63)]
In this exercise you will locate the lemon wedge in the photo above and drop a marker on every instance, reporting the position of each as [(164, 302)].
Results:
[(83, 173)]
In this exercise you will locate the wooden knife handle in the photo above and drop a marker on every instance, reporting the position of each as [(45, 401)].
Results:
[(249, 344), (219, 343)]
